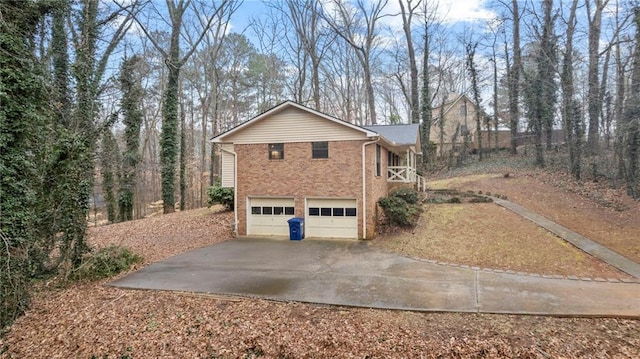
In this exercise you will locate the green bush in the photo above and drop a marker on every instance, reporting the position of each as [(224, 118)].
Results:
[(105, 263), (222, 195), (401, 207), (408, 195)]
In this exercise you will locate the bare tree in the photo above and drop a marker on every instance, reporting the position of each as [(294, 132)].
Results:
[(594, 97), (407, 13), (204, 80), (312, 38), (357, 26), (570, 114), (174, 60), (513, 75)]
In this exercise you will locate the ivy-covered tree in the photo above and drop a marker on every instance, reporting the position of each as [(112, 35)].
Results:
[(109, 161), (131, 109), (631, 119), (540, 90), (23, 110), (570, 108), (77, 138), (471, 67)]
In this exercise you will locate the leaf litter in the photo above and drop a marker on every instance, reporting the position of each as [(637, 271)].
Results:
[(88, 320)]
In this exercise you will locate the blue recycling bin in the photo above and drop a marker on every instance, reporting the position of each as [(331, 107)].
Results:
[(296, 228)]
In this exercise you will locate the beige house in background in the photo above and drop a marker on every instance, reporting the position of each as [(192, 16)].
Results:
[(293, 161), (457, 116)]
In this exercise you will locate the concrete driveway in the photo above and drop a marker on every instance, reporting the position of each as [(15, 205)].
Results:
[(353, 273)]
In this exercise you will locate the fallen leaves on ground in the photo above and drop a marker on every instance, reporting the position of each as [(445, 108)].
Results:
[(93, 320), (156, 238)]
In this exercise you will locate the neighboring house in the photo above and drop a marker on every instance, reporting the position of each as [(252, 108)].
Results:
[(457, 117), (292, 161)]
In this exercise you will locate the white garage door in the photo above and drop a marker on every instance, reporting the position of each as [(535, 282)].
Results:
[(268, 216), (335, 218)]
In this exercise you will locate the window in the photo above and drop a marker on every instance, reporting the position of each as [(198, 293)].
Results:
[(272, 211), (332, 212), (320, 149), (276, 151), (378, 155)]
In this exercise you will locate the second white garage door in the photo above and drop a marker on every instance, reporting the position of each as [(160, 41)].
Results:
[(268, 216), (331, 218)]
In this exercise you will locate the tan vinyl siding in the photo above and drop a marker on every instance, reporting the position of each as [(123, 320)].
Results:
[(228, 166), (294, 125)]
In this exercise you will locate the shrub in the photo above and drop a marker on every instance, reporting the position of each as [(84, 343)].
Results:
[(401, 207), (480, 199), (14, 289), (406, 194), (222, 195), (105, 263)]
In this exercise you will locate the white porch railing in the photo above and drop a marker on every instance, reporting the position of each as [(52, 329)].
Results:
[(404, 174), (401, 174)]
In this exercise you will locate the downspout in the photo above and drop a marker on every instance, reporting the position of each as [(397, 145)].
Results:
[(235, 190), (364, 187)]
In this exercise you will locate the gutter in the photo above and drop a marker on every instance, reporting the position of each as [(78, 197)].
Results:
[(364, 186)]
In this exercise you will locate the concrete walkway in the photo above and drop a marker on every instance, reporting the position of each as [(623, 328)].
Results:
[(599, 251), (354, 273)]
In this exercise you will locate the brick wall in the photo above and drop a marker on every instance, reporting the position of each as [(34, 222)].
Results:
[(376, 188), (300, 176)]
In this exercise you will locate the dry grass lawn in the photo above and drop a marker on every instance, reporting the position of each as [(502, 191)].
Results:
[(489, 236), (606, 216)]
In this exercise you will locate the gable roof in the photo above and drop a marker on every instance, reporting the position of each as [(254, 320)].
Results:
[(285, 105), (448, 106)]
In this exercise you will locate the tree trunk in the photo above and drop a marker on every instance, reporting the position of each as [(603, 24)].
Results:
[(619, 111), (169, 150), (514, 79), (426, 108), (183, 159), (632, 118), (570, 112), (594, 97), (471, 67), (414, 105), (109, 165), (130, 104)]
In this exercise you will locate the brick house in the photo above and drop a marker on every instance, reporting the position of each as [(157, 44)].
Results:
[(457, 119), (293, 161)]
